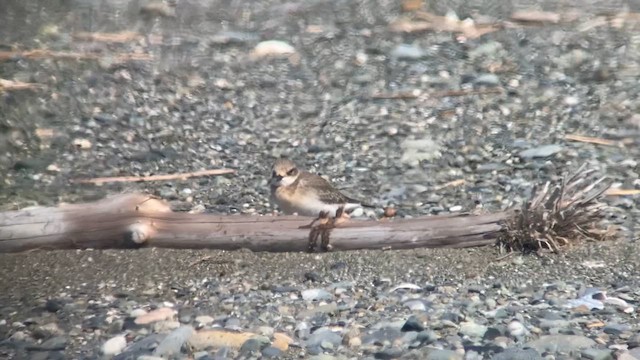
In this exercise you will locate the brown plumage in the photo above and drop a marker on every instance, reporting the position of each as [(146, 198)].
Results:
[(296, 191)]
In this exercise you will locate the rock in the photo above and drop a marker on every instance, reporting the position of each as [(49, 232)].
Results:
[(324, 337), (472, 329), (616, 329), (439, 354), (137, 313), (165, 326), (315, 294), (597, 354), (407, 52), (517, 354), (145, 346), (114, 346), (254, 345), (56, 343), (272, 48), (388, 354), (487, 80), (233, 37), (172, 344), (160, 314), (415, 151), (416, 305), (204, 320), (281, 341), (634, 341), (516, 329), (271, 352), (218, 338), (54, 305), (541, 152), (382, 336), (561, 343), (412, 324), (491, 334)]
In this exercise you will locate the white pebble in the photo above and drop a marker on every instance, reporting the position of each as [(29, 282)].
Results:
[(114, 346), (516, 328), (571, 100), (137, 312), (357, 212), (455, 208), (272, 48)]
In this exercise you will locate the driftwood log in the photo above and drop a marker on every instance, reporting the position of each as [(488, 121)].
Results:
[(133, 220), (554, 216)]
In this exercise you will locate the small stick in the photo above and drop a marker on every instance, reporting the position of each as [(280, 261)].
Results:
[(467, 92), (63, 55), (457, 182), (591, 140), (410, 94), (180, 176), (622, 192), (120, 37), (10, 85)]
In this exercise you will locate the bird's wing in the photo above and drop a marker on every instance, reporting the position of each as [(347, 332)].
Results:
[(327, 193)]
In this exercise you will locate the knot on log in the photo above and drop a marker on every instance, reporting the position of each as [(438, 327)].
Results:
[(138, 234)]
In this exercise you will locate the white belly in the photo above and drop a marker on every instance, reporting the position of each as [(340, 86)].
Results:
[(313, 208)]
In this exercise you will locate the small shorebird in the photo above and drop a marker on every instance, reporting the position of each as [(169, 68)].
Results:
[(307, 194)]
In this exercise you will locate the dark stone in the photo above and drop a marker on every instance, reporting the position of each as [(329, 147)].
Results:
[(412, 324), (271, 352), (54, 305), (312, 276), (491, 334)]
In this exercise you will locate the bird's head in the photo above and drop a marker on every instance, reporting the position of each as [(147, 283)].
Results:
[(284, 173)]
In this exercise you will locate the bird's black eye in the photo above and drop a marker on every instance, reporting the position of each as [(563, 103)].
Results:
[(292, 172)]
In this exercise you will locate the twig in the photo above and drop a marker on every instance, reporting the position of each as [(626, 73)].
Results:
[(453, 183), (180, 176), (500, 258), (417, 93), (592, 140), (467, 92), (120, 37), (409, 94), (63, 55), (12, 85), (622, 192)]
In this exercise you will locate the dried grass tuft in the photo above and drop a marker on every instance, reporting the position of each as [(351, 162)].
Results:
[(559, 215)]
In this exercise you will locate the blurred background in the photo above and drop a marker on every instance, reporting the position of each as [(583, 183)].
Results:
[(434, 106)]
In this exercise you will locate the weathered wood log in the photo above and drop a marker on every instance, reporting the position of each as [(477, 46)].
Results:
[(133, 220)]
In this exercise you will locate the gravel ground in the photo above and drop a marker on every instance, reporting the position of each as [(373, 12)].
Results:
[(205, 102)]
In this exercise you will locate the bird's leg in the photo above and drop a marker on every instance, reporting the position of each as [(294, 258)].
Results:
[(340, 218), (317, 228)]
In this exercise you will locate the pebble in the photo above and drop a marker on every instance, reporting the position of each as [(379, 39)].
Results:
[(324, 338), (561, 343), (541, 152), (517, 329), (517, 354), (443, 355), (114, 346), (472, 329), (272, 48), (412, 324), (172, 344), (406, 52), (415, 151), (489, 80), (204, 319), (597, 354), (155, 315), (315, 294)]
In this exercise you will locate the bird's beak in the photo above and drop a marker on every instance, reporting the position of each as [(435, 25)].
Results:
[(275, 181)]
